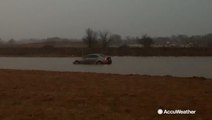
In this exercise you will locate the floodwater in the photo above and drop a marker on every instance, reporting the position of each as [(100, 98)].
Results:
[(174, 66)]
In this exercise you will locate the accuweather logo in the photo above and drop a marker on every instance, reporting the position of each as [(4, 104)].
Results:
[(176, 112)]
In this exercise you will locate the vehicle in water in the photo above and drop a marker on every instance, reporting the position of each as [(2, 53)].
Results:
[(94, 59)]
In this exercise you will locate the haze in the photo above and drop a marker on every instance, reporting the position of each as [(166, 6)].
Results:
[(69, 18)]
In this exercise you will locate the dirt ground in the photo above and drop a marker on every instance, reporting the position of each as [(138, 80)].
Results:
[(40, 95)]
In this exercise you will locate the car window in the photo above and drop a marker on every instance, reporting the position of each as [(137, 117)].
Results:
[(94, 56), (102, 55), (91, 56)]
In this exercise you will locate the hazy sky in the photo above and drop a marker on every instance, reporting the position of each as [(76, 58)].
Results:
[(69, 18)]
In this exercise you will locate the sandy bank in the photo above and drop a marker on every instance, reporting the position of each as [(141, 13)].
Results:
[(39, 95)]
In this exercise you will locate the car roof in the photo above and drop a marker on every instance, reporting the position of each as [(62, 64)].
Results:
[(98, 54)]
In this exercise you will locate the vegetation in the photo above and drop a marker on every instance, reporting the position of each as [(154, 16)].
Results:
[(146, 41), (49, 51), (111, 44), (105, 39), (91, 38)]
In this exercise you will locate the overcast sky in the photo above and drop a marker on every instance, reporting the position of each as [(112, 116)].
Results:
[(69, 18)]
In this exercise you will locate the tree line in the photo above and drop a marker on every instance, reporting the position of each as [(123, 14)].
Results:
[(99, 39), (106, 39)]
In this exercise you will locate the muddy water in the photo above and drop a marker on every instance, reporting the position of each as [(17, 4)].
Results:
[(175, 66)]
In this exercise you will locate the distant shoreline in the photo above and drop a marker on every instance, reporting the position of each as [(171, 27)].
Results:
[(44, 95), (49, 51)]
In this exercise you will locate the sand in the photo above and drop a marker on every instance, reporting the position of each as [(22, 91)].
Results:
[(43, 95)]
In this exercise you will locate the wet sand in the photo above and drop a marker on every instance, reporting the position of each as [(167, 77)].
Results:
[(42, 95)]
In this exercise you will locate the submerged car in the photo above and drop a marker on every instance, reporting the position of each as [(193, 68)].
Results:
[(94, 59)]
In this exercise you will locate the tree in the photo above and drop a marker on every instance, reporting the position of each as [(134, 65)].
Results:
[(146, 41), (208, 38), (11, 41), (91, 38), (105, 39), (1, 41), (116, 40)]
